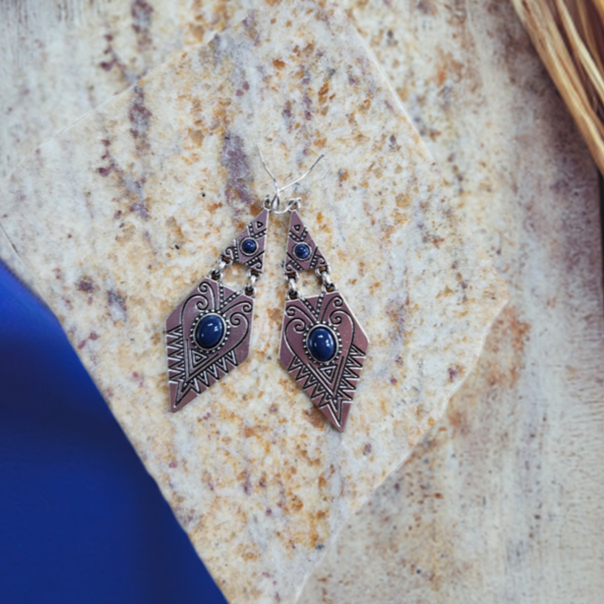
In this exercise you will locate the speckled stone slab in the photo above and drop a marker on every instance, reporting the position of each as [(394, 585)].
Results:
[(502, 500), (509, 156), (130, 207)]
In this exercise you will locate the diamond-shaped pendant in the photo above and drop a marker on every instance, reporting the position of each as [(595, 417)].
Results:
[(208, 333), (323, 346)]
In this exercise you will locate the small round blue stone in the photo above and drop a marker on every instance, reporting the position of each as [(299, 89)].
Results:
[(248, 246), (321, 344), (302, 251), (209, 331)]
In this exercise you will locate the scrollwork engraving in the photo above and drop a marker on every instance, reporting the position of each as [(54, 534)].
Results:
[(191, 370)]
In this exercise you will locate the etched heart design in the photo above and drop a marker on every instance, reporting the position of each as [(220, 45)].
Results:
[(208, 333), (330, 381), (193, 368)]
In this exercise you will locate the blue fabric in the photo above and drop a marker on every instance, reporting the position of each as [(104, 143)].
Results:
[(81, 521)]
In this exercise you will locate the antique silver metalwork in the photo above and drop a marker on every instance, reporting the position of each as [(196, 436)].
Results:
[(330, 381), (323, 346), (193, 367)]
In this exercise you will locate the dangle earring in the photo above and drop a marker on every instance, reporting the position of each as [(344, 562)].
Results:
[(323, 346), (208, 334)]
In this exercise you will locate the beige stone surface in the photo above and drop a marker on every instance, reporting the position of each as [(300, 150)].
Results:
[(509, 154), (130, 206), (502, 499)]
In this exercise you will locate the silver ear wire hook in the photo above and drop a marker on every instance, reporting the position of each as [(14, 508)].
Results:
[(274, 204)]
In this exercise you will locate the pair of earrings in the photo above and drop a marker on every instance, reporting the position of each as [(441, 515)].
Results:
[(323, 346)]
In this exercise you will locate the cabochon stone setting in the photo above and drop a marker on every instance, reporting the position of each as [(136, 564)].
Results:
[(248, 246), (321, 343), (302, 251), (209, 331)]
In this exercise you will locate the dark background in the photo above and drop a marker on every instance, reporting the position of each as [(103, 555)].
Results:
[(80, 519)]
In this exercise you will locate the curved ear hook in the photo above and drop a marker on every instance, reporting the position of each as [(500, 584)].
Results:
[(275, 202), (277, 196)]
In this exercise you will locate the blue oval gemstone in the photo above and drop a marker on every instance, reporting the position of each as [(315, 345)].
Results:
[(209, 331), (321, 344), (302, 251), (249, 246)]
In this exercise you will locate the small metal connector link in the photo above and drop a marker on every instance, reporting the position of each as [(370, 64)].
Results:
[(224, 262), (250, 289), (292, 281), (327, 284), (293, 290)]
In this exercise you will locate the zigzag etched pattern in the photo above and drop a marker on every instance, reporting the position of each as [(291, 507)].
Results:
[(191, 369), (330, 384), (208, 333)]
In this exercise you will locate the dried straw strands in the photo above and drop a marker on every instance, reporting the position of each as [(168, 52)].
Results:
[(569, 37)]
